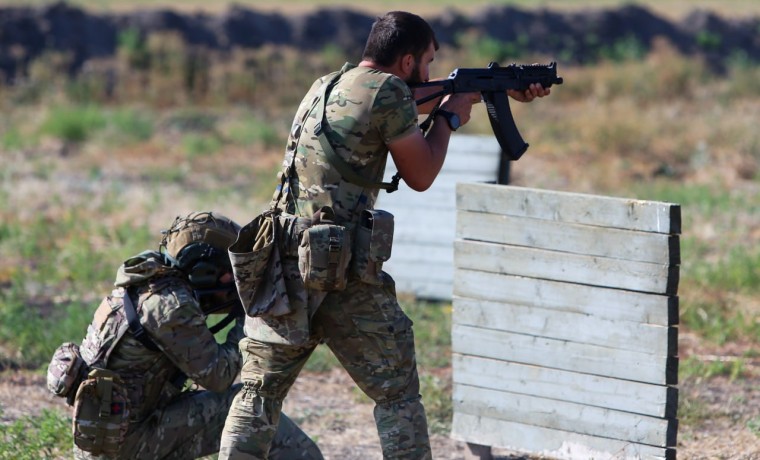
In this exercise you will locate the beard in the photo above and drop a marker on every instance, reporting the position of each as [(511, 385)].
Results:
[(415, 77)]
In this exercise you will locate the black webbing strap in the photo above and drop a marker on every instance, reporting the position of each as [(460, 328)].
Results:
[(223, 322), (134, 324)]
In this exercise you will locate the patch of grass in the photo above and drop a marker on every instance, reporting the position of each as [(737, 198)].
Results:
[(738, 271), (693, 367), (47, 435), (718, 321), (12, 139), (192, 120), (485, 49), (432, 332), (131, 126), (31, 334), (250, 130), (692, 411), (57, 262), (322, 360), (73, 124), (439, 407), (753, 425), (196, 145), (625, 49)]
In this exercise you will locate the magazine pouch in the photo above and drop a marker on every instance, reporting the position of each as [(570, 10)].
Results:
[(374, 240), (324, 254)]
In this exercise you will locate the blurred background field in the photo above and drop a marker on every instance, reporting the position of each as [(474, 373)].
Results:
[(671, 8), (95, 164)]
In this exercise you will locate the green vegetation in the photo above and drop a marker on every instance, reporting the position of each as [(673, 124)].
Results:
[(47, 435), (695, 368)]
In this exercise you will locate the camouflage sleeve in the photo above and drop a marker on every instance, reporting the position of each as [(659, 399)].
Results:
[(176, 324), (394, 112)]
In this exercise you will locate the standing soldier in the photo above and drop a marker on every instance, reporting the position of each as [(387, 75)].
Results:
[(331, 242), (128, 381)]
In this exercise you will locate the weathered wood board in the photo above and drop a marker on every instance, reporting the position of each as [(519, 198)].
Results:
[(422, 259), (564, 333)]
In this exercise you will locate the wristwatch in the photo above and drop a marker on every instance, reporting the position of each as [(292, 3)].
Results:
[(451, 118)]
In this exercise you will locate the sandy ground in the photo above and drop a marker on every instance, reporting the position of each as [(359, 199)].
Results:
[(328, 407)]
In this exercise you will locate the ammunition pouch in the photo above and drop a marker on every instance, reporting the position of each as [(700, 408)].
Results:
[(374, 240), (323, 257)]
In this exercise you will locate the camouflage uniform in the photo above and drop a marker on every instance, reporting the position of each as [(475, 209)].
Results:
[(363, 325), (166, 422)]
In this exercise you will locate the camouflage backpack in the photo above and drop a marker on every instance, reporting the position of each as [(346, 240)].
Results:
[(100, 401)]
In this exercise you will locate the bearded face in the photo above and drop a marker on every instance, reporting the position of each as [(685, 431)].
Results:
[(416, 75)]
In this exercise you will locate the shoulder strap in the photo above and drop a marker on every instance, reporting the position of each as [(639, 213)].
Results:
[(134, 323), (335, 160)]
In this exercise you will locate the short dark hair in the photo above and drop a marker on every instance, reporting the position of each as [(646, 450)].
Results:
[(396, 34)]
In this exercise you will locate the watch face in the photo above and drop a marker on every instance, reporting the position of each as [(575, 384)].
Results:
[(454, 121)]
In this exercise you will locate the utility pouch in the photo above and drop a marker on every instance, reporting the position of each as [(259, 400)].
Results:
[(66, 371), (257, 268), (323, 257), (101, 413), (374, 240)]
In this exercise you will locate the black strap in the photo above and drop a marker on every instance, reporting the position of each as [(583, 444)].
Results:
[(223, 322), (134, 324)]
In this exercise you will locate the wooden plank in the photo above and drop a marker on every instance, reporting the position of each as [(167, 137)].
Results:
[(467, 154), (552, 235), (565, 416), (574, 268), (568, 326), (440, 199), (424, 255), (648, 216), (430, 224), (562, 385), (560, 354), (611, 304), (551, 443)]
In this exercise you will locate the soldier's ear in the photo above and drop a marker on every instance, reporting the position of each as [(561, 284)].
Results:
[(407, 64)]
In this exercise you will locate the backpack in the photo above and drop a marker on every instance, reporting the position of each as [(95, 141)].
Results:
[(98, 396)]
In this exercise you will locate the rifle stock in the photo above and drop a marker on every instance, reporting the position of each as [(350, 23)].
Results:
[(493, 82)]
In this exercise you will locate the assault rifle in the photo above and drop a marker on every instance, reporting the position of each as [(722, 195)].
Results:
[(493, 82)]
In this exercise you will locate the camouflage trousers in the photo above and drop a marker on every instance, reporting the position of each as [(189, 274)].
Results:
[(372, 338), (191, 426)]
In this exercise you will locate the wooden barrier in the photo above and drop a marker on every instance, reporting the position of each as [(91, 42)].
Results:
[(564, 333)]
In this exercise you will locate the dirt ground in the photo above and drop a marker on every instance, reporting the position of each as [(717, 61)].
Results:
[(329, 408)]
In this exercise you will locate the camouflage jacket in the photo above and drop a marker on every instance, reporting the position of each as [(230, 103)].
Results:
[(174, 321), (366, 110)]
